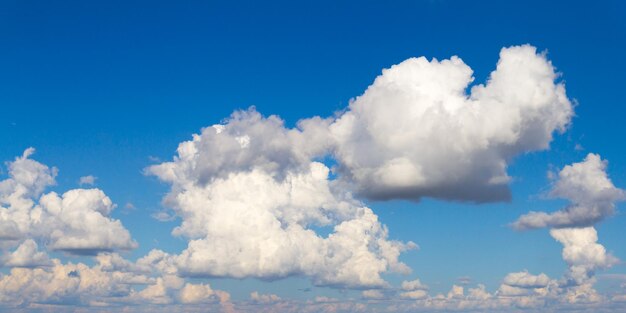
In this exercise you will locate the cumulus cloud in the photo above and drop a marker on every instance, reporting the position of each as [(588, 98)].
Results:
[(27, 180), (414, 294), (591, 193), (69, 284), (250, 199), (202, 293), (256, 297), (592, 198), (82, 222), (27, 254), (524, 284), (111, 281), (526, 280), (76, 222), (415, 132), (413, 285), (582, 253), (163, 216), (456, 292)]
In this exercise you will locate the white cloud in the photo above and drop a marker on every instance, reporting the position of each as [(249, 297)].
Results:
[(527, 286), (27, 179), (415, 132), (413, 285), (87, 180), (250, 195), (592, 198), (27, 255), (201, 293), (591, 193), (582, 253), (80, 222), (375, 294), (112, 281), (76, 222), (414, 294), (64, 284), (526, 280), (163, 216), (250, 210), (456, 292), (256, 297), (218, 151)]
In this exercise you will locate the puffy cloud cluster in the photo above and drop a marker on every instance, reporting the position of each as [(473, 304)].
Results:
[(531, 287), (592, 198), (584, 257), (414, 289), (76, 222), (80, 223), (415, 132), (591, 193), (252, 197), (112, 281), (264, 298), (251, 201), (27, 254)]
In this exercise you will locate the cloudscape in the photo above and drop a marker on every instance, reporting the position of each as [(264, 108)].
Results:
[(336, 157)]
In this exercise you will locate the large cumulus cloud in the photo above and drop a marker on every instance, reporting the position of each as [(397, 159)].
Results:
[(416, 132), (251, 201)]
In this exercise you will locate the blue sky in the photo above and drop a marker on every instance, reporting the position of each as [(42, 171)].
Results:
[(109, 88)]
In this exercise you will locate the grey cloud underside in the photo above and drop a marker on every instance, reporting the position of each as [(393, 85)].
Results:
[(460, 191)]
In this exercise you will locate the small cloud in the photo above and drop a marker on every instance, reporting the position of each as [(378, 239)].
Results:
[(579, 147), (87, 180), (464, 280), (128, 207), (264, 298), (154, 159), (373, 294), (413, 285), (324, 299), (163, 216)]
